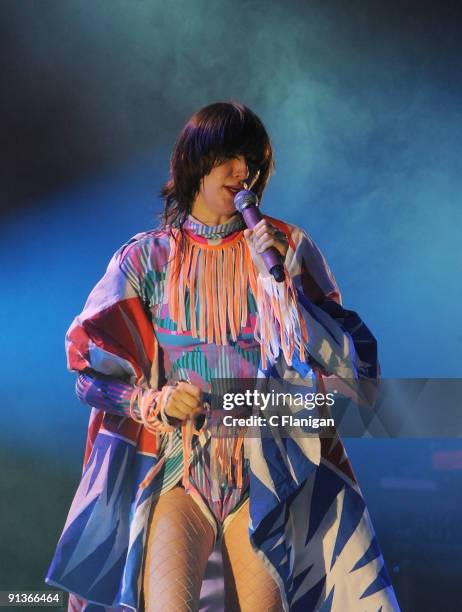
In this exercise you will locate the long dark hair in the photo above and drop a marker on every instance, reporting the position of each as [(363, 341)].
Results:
[(213, 134)]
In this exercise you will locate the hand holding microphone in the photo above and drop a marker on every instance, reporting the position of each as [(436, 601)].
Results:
[(263, 238)]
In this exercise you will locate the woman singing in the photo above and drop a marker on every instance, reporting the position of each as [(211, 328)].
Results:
[(178, 308)]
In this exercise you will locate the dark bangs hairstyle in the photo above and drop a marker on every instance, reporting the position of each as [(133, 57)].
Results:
[(213, 134)]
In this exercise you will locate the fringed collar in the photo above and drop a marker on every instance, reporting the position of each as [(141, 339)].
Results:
[(213, 233), (208, 281)]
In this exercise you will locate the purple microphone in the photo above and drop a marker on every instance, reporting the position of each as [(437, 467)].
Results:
[(246, 202)]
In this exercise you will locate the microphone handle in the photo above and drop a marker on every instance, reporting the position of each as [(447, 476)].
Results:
[(271, 256)]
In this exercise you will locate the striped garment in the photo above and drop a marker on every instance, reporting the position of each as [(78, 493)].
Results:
[(154, 320)]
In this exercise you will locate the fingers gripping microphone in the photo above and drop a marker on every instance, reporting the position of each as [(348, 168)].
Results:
[(246, 202)]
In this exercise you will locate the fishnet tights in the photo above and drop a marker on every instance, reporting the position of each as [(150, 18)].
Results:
[(180, 540), (248, 585)]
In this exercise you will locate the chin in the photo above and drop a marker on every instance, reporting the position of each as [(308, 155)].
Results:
[(228, 209)]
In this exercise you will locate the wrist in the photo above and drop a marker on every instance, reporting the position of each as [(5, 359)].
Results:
[(162, 407), (150, 409)]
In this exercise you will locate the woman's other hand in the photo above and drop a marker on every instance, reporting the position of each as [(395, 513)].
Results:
[(184, 401)]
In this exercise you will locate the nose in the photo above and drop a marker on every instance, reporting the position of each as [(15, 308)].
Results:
[(240, 168)]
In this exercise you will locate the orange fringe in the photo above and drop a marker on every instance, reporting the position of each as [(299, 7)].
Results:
[(150, 419), (216, 277), (281, 322), (222, 273), (226, 452)]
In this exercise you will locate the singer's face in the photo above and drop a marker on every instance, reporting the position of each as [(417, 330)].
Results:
[(214, 203)]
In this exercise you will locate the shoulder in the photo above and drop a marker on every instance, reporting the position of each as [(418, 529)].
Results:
[(146, 249), (142, 260)]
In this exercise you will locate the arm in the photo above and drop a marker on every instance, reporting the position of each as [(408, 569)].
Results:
[(337, 343), (109, 394), (111, 344)]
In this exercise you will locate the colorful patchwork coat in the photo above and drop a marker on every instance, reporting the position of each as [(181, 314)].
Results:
[(139, 330)]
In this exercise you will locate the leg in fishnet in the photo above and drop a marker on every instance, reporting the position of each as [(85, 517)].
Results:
[(179, 542), (248, 585)]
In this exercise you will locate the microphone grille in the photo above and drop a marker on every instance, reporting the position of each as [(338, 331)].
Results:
[(245, 198)]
